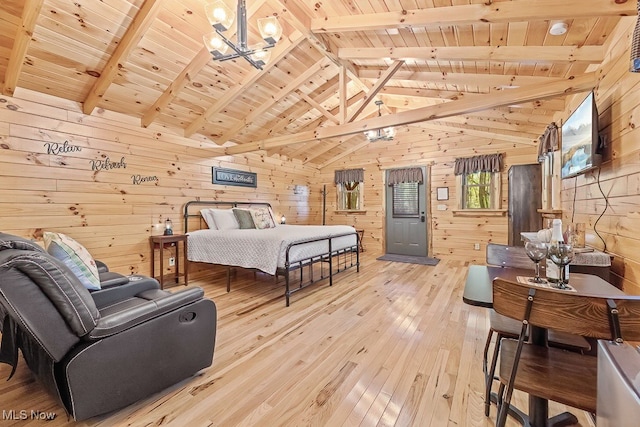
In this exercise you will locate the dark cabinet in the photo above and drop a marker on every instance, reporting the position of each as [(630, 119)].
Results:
[(525, 198)]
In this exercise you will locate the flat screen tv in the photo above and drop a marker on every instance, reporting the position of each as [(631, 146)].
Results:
[(580, 141)]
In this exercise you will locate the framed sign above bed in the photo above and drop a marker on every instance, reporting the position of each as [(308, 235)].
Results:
[(234, 177)]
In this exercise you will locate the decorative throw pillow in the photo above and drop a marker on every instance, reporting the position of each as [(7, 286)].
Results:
[(262, 218), (75, 256), (207, 215), (225, 219), (244, 218)]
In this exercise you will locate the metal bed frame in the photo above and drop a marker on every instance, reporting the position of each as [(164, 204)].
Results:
[(344, 258)]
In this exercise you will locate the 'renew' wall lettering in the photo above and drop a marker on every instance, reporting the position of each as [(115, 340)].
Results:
[(139, 179)]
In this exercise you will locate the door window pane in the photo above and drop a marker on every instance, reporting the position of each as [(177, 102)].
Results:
[(405, 200)]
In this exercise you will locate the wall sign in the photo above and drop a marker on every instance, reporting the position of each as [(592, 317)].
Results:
[(65, 147), (442, 193), (139, 179), (234, 177), (104, 164), (107, 164)]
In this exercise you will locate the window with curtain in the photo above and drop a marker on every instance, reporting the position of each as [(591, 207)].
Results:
[(477, 188), (349, 185), (478, 181)]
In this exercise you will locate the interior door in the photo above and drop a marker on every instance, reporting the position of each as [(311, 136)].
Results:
[(406, 222), (525, 198)]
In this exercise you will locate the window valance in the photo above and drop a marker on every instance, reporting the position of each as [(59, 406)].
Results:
[(349, 175), (396, 176), (549, 141), (485, 163)]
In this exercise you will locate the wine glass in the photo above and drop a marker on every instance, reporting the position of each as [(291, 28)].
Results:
[(536, 251), (561, 255)]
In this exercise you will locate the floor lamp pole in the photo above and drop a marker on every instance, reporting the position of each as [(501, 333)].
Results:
[(324, 202)]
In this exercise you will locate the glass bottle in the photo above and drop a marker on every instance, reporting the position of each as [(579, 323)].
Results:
[(553, 272)]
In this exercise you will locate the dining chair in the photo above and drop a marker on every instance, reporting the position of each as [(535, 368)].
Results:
[(505, 327), (566, 377)]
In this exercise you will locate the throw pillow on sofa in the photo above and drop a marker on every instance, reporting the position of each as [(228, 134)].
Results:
[(75, 256)]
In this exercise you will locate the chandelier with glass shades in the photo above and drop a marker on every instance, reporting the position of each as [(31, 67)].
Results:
[(385, 134), (221, 19)]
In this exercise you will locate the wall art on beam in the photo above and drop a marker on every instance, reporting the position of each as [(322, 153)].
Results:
[(234, 177)]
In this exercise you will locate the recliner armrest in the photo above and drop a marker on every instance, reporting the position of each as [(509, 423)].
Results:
[(148, 304), (102, 267), (134, 286)]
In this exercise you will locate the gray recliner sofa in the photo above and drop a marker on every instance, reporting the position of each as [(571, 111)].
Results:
[(96, 355)]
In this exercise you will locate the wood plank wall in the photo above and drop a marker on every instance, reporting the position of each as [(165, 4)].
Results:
[(114, 217), (103, 209), (452, 236), (618, 101)]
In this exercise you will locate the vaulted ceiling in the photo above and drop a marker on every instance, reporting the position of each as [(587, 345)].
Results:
[(486, 68)]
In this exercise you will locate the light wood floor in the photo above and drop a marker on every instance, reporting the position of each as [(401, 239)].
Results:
[(391, 345)]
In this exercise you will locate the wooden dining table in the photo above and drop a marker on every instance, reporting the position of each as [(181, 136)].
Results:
[(478, 291)]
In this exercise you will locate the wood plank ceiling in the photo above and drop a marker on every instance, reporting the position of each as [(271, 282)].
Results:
[(475, 67)]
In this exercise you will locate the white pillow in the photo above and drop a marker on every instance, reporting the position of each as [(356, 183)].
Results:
[(225, 219), (75, 256), (207, 215)]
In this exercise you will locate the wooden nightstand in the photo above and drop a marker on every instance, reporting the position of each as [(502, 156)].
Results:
[(161, 242)]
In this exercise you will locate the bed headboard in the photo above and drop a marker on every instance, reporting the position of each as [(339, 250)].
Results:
[(192, 208)]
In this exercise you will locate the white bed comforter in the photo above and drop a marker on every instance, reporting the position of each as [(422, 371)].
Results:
[(265, 250)]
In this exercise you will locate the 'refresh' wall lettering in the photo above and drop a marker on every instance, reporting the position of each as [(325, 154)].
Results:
[(139, 179), (55, 148), (106, 164)]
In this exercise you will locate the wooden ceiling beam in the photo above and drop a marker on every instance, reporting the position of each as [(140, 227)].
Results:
[(373, 91), (324, 148), (196, 65), (559, 87), (202, 58), (535, 54), (293, 85), (534, 129), (451, 130), (401, 104), (495, 81), (275, 126), (318, 107), (300, 20), (139, 26), (401, 92), (478, 13), (283, 48), (342, 94), (24, 33), (345, 153)]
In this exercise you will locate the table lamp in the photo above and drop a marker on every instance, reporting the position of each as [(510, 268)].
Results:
[(168, 228)]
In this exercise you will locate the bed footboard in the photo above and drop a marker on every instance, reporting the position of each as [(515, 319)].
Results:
[(338, 258)]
